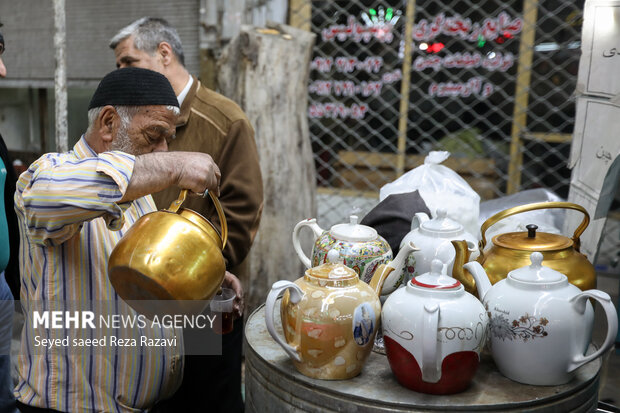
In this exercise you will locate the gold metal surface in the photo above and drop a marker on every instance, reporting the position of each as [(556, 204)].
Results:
[(169, 256), (533, 207), (513, 250)]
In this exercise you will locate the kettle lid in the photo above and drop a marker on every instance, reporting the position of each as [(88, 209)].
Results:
[(532, 240), (536, 273), (436, 278), (442, 224), (353, 232)]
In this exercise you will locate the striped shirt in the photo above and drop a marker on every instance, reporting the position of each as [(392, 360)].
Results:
[(70, 220)]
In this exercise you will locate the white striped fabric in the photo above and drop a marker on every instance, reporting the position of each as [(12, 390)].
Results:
[(69, 224)]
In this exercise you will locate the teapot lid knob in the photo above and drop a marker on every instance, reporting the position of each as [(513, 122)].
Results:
[(531, 230), (536, 258), (436, 266), (353, 219), (441, 213), (333, 256)]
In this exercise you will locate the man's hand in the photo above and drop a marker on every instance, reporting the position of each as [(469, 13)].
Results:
[(231, 281), (157, 171), (198, 172)]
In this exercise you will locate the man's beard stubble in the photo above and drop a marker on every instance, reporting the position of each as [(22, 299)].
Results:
[(123, 142)]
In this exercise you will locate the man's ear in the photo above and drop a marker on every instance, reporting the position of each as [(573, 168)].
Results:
[(108, 123), (165, 51)]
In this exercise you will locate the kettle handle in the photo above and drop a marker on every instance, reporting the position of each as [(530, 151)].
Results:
[(276, 290), (176, 204), (532, 207)]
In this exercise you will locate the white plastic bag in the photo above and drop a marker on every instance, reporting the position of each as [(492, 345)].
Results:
[(440, 187)]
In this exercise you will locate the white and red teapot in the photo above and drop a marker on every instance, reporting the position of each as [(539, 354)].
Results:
[(433, 333)]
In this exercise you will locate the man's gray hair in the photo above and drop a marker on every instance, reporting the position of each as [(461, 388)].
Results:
[(125, 113), (148, 33)]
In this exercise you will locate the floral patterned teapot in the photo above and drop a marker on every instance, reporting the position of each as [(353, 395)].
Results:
[(433, 332), (540, 324), (359, 247)]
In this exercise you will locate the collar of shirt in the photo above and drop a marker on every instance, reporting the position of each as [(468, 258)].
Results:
[(185, 91), (83, 150)]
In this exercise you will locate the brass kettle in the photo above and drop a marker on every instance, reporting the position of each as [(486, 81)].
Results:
[(512, 250), (173, 254)]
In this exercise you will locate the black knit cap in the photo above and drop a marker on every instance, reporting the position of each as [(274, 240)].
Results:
[(132, 86)]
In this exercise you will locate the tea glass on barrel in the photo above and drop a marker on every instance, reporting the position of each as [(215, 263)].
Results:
[(222, 307)]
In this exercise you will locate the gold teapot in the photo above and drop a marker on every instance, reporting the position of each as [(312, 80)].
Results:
[(173, 254), (512, 250), (330, 317)]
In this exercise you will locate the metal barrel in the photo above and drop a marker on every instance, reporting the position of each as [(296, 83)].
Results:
[(272, 384)]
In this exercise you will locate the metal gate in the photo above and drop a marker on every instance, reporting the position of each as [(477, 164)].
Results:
[(490, 81)]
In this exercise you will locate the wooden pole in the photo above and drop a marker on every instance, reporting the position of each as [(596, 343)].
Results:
[(266, 71), (60, 76), (300, 14), (404, 89), (522, 94)]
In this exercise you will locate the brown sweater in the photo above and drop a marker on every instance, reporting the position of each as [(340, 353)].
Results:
[(213, 124)]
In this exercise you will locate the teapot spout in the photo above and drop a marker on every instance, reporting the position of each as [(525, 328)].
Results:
[(397, 264), (463, 251)]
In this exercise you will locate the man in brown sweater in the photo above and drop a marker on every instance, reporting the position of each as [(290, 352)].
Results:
[(213, 124)]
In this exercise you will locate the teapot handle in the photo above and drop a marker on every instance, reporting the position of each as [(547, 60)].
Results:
[(579, 302), (276, 290), (532, 207), (176, 204), (431, 372), (316, 232)]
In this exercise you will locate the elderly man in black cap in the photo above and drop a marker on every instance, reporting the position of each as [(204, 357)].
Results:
[(73, 208)]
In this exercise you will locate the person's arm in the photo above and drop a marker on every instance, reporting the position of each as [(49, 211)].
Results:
[(241, 190), (59, 193), (156, 171)]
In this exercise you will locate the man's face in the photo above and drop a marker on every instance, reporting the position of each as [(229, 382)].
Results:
[(128, 56), (149, 131)]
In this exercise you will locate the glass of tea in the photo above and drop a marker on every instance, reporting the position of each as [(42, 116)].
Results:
[(222, 307)]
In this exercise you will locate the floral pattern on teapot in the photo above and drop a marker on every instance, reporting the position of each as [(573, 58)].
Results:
[(526, 328), (364, 257)]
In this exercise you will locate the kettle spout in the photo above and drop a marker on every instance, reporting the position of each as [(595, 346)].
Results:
[(463, 251), (393, 270)]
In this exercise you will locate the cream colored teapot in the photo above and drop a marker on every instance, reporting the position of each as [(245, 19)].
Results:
[(329, 317)]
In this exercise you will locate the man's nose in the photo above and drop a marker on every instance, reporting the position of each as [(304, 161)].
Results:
[(2, 68)]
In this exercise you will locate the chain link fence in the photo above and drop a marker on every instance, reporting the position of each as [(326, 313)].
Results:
[(490, 81)]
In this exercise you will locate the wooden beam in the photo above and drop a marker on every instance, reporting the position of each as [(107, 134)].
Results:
[(522, 93), (347, 192), (404, 89), (548, 137), (300, 14), (382, 160)]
